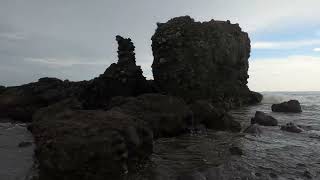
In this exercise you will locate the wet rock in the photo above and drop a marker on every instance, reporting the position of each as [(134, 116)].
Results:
[(167, 116), (291, 127), (263, 119), (24, 144), (307, 174), (234, 150), (88, 144), (19, 103), (206, 60), (290, 106), (213, 118), (253, 129), (123, 78)]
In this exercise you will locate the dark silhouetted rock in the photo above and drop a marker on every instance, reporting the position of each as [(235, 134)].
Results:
[(253, 129), (235, 150), (20, 102), (307, 174), (124, 78), (291, 127), (290, 106), (206, 60), (213, 118), (88, 144), (265, 120)]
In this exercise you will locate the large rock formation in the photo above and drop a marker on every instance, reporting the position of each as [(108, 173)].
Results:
[(19, 103), (120, 79), (206, 60), (73, 143)]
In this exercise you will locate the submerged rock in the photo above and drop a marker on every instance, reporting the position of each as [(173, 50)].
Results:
[(124, 78), (265, 120), (206, 60), (213, 118), (253, 129), (291, 127), (290, 106)]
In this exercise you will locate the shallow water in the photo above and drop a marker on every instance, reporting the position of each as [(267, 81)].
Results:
[(275, 154)]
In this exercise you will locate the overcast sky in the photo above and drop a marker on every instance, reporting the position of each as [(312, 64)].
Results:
[(75, 39)]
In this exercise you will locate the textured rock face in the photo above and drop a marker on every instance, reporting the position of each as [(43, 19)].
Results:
[(19, 103), (290, 106), (85, 144), (121, 79), (206, 60)]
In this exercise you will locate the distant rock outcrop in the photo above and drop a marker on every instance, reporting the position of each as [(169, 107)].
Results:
[(290, 106), (20, 102), (124, 78), (263, 119), (206, 60)]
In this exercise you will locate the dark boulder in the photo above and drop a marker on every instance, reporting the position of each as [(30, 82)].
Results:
[(72, 143), (124, 78), (263, 119), (206, 60), (291, 127), (253, 129), (290, 106), (213, 118), (20, 102)]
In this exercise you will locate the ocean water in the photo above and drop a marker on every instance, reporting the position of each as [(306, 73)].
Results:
[(275, 154)]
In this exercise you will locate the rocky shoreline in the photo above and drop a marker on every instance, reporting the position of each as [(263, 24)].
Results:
[(106, 126)]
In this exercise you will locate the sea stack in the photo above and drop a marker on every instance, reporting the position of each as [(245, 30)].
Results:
[(207, 60)]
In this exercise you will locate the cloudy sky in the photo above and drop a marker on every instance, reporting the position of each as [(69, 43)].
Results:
[(75, 39)]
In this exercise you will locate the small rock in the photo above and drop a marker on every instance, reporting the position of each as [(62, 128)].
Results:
[(24, 144), (263, 119), (236, 151), (291, 127)]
